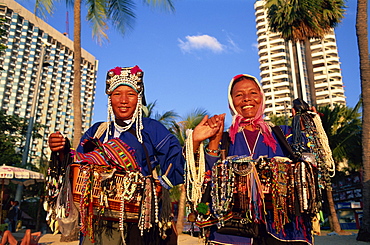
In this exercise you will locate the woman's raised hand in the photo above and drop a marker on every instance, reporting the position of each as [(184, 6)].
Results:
[(209, 128), (56, 141)]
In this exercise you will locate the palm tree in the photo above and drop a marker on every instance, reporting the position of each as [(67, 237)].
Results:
[(118, 13), (280, 120), (179, 130), (167, 118), (190, 121), (363, 48), (302, 20)]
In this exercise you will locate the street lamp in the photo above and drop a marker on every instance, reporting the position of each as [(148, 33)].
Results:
[(26, 148)]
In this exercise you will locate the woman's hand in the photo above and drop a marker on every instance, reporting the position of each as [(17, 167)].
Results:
[(56, 141), (209, 128)]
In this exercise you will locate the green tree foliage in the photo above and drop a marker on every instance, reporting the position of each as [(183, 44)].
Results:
[(13, 131), (190, 121), (167, 118), (2, 34), (280, 120), (297, 20)]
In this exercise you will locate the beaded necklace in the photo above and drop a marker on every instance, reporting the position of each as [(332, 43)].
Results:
[(226, 182), (306, 187), (223, 180), (194, 172), (149, 207), (279, 188)]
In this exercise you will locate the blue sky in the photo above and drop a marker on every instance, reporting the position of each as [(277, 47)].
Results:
[(190, 55)]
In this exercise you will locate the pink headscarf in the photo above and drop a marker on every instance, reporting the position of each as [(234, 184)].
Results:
[(257, 122)]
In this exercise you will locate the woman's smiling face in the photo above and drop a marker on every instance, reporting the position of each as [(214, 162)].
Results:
[(246, 98), (124, 100)]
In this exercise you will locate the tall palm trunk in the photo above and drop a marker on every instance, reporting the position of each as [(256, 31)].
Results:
[(362, 40), (180, 216), (309, 68), (77, 118), (296, 69), (334, 222)]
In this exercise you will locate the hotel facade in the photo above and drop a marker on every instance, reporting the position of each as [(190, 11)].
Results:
[(38, 66), (278, 71)]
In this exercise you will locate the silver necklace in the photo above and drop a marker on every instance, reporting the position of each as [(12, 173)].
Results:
[(255, 143)]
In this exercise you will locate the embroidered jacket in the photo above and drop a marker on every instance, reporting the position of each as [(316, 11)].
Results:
[(163, 148)]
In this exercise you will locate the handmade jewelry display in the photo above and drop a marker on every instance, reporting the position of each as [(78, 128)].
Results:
[(57, 201), (240, 185), (108, 184), (236, 188), (317, 142)]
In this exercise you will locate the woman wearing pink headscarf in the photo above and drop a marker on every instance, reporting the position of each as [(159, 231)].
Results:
[(250, 135)]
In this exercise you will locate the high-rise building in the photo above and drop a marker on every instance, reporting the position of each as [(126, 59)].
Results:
[(25, 77), (279, 72)]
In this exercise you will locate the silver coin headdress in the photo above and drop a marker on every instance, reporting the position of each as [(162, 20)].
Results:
[(132, 77)]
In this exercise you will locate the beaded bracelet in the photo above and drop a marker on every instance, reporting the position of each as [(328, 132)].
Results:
[(212, 151)]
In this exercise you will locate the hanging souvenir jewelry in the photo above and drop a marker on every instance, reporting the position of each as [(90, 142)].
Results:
[(194, 172), (86, 202), (146, 218), (279, 188), (324, 142), (223, 180), (316, 143), (250, 189)]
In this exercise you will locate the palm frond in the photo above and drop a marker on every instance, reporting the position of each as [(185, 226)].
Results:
[(44, 7), (97, 17), (121, 15), (165, 4)]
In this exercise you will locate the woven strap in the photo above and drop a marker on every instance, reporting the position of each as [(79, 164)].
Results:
[(113, 153), (103, 127), (122, 154)]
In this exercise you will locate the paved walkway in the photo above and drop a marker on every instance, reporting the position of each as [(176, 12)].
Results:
[(318, 240), (185, 239), (326, 238)]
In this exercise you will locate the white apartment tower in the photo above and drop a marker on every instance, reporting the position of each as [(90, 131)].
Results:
[(278, 70), (24, 38)]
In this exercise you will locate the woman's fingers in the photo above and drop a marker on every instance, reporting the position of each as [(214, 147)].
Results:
[(56, 141)]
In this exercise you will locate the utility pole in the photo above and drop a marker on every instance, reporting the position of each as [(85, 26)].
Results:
[(26, 149)]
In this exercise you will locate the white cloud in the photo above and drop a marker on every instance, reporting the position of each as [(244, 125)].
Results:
[(233, 46), (200, 42), (255, 46)]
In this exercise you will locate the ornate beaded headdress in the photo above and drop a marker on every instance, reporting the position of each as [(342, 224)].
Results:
[(132, 77)]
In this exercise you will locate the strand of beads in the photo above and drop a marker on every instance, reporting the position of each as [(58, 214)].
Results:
[(316, 148), (323, 138), (223, 180), (122, 214), (194, 172), (146, 207), (156, 209)]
